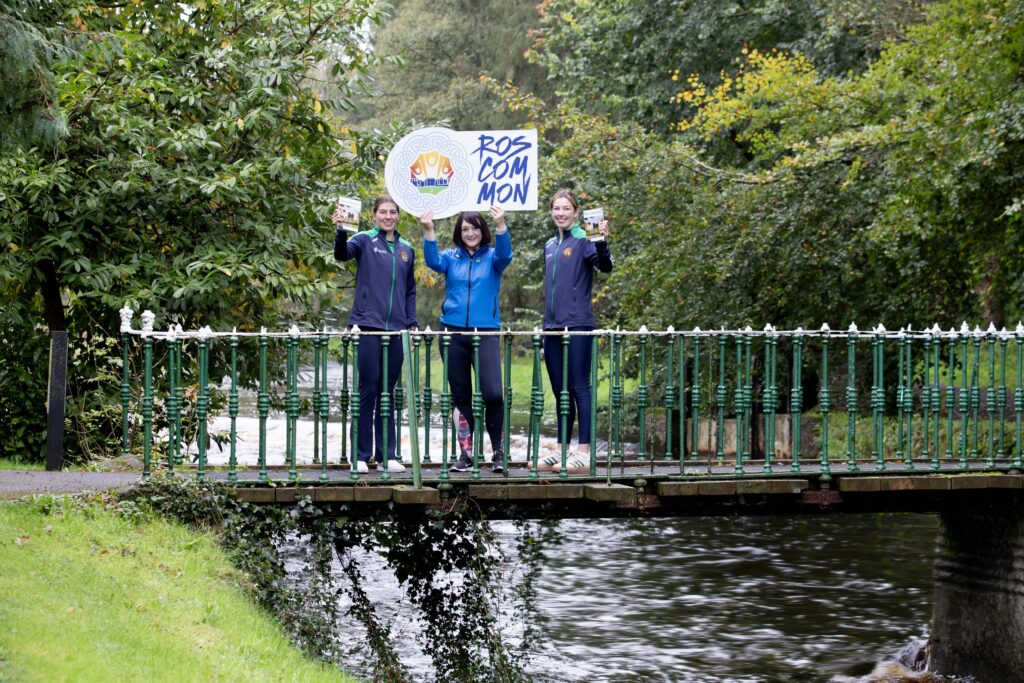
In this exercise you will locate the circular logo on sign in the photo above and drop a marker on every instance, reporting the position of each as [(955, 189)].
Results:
[(429, 169), (567, 252)]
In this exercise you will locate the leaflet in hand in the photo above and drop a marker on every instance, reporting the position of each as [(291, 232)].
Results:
[(591, 219), (347, 214)]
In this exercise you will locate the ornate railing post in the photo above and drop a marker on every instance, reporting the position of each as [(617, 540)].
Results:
[(507, 416), (325, 405), (292, 402), (126, 389), (878, 396), (563, 405), (740, 404), (1018, 400), (536, 408), (316, 400), (851, 399), (908, 400), (926, 391), (344, 397), (670, 394), (990, 394), (428, 395), (263, 405), (478, 409), (1004, 338), (936, 407), (695, 396), (770, 397), (233, 409), (796, 397), (975, 391), (616, 395), (173, 404), (446, 407), (965, 393), (950, 393), (353, 473), (385, 405), (720, 401), (147, 394), (203, 399), (641, 395), (823, 401)]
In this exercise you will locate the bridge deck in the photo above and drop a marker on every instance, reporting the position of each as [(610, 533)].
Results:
[(638, 489)]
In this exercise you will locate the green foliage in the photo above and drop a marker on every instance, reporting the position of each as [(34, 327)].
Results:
[(22, 390), (622, 58), (197, 176), (433, 55), (798, 194)]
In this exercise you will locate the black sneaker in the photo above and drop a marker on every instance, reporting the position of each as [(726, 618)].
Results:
[(465, 462), (498, 462)]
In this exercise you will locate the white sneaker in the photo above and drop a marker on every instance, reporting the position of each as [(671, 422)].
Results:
[(577, 463), (395, 466), (362, 467), (550, 463)]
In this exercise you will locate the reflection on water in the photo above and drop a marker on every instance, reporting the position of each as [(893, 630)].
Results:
[(710, 599)]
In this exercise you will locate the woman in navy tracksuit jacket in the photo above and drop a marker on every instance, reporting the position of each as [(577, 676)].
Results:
[(569, 263), (385, 300), (472, 273)]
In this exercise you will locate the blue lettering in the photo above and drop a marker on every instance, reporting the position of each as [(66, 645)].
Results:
[(486, 195)]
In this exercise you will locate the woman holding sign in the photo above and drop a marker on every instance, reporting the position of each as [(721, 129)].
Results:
[(472, 278), (570, 260), (385, 301)]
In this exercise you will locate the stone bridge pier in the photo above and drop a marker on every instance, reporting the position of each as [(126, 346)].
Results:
[(978, 620)]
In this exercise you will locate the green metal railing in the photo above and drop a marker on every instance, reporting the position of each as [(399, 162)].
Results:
[(675, 404)]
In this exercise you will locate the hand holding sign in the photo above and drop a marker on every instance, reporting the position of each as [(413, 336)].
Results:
[(594, 224)]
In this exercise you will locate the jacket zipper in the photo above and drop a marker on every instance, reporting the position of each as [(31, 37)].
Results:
[(469, 289), (391, 294), (554, 269)]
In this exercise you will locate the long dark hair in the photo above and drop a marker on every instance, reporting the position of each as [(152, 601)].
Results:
[(473, 218)]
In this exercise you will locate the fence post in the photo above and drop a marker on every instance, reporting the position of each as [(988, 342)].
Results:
[(823, 402), (126, 390), (414, 443), (147, 394)]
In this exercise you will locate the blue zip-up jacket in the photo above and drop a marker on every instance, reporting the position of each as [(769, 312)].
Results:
[(569, 263), (385, 287), (471, 283)]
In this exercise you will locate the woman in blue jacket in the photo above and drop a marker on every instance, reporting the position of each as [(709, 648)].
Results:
[(385, 300), (570, 260), (472, 273)]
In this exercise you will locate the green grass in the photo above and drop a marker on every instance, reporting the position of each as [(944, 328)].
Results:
[(88, 595), (16, 464)]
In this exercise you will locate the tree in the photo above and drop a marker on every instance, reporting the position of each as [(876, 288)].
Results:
[(433, 55), (197, 175), (623, 58)]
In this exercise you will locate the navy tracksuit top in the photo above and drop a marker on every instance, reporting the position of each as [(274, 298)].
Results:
[(569, 263), (385, 287), (471, 283)]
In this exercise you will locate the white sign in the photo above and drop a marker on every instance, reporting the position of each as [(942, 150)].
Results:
[(449, 171), (591, 219)]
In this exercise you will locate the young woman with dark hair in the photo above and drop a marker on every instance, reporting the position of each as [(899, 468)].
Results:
[(384, 301), (569, 264), (472, 276)]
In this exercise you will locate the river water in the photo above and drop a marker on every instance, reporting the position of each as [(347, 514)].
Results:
[(702, 600), (731, 599)]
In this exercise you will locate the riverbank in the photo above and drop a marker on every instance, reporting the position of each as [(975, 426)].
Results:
[(99, 591)]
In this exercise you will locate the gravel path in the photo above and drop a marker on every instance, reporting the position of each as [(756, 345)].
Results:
[(17, 483)]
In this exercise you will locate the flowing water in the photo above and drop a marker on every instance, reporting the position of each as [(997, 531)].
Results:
[(817, 598)]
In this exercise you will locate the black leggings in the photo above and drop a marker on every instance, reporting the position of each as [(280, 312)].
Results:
[(579, 381), (460, 379), (371, 418)]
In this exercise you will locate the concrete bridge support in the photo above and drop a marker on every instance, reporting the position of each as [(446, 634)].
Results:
[(978, 621)]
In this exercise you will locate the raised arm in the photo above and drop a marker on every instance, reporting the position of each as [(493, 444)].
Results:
[(502, 240)]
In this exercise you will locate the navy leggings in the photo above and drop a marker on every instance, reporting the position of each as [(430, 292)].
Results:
[(460, 379), (371, 421), (579, 381)]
